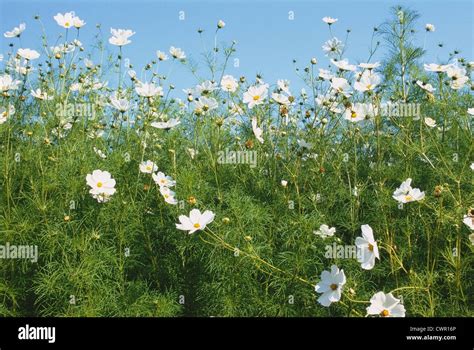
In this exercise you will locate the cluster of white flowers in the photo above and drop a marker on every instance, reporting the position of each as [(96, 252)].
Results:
[(457, 75), (162, 180), (69, 20)]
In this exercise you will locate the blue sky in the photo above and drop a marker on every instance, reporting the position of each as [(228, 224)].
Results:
[(267, 39)]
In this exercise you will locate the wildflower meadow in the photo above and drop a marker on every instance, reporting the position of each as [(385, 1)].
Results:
[(344, 190)]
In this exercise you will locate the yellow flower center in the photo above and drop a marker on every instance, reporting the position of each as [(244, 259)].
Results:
[(371, 247), (67, 24), (166, 195), (196, 225), (162, 181), (148, 167), (205, 107), (353, 114), (100, 184), (408, 198), (256, 98), (384, 313), (369, 86), (333, 286)]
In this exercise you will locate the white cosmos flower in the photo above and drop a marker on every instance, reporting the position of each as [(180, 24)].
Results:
[(328, 101), (40, 95), (406, 194), (368, 249), (196, 221), (325, 74), (78, 23), (162, 180), (426, 87), (6, 112), (205, 104), (102, 185), (329, 20), (359, 111), (120, 104), (171, 123), (333, 47), (472, 166), (258, 132), (369, 65), (458, 77), (162, 56), (220, 24), (8, 83), (235, 109), (148, 90), (470, 111), (28, 54), (120, 37), (15, 32), (284, 86), (367, 82), (65, 48), (430, 122), (385, 305), (434, 67), (177, 53), (229, 83), (88, 63), (168, 195), (281, 99), (303, 144), (65, 20), (284, 183), (148, 167), (325, 231), (255, 95), (340, 85), (429, 27), (343, 65), (206, 87), (330, 286), (468, 220)]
